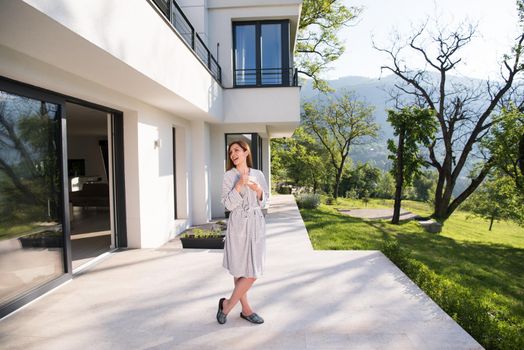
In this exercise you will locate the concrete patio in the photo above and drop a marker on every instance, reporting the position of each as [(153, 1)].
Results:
[(166, 298)]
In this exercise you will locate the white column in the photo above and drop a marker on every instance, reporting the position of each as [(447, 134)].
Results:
[(200, 169), (132, 180), (266, 160)]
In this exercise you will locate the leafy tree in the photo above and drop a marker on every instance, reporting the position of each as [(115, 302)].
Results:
[(317, 42), (464, 112), (362, 179), (502, 196), (385, 185), (298, 159), (423, 185), (278, 147), (496, 199), (503, 144), (339, 123), (414, 127)]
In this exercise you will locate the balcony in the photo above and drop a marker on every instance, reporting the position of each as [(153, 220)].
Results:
[(265, 77), (173, 13)]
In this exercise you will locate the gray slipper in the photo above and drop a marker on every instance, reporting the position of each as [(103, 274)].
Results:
[(221, 316), (253, 318)]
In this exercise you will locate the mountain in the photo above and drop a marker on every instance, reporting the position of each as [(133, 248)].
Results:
[(375, 93), (372, 91)]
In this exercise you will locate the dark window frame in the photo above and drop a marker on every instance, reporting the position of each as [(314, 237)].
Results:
[(117, 130), (287, 78), (174, 174)]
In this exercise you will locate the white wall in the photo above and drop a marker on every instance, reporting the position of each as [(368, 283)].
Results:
[(222, 13), (87, 148), (200, 175), (148, 171), (196, 13), (124, 46), (95, 51), (269, 105), (155, 156)]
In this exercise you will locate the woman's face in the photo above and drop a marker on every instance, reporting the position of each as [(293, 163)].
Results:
[(237, 154)]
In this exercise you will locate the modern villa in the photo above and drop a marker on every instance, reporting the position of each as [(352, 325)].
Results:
[(114, 122)]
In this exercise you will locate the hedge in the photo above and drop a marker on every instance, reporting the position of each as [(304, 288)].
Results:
[(492, 328)]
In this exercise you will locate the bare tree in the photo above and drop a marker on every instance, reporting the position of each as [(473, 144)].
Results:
[(465, 112)]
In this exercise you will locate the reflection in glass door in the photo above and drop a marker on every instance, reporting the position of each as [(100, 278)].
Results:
[(245, 55), (271, 53), (261, 53), (31, 233)]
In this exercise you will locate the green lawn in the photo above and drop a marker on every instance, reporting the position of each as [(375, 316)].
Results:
[(14, 231), (490, 264)]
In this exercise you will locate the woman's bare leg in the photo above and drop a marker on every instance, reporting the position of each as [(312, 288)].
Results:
[(242, 285), (246, 308)]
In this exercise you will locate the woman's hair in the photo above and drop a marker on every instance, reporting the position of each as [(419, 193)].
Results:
[(244, 145)]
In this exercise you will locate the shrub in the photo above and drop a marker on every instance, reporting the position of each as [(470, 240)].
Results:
[(352, 194), (491, 327), (284, 189), (308, 201), (330, 200)]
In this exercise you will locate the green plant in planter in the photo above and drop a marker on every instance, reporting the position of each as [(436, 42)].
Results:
[(201, 238), (44, 239), (203, 233)]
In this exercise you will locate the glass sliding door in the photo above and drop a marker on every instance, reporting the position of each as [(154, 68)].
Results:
[(271, 53), (261, 53), (31, 195), (245, 54)]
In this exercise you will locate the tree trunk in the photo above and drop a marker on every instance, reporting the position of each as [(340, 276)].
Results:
[(337, 181), (521, 155), (443, 193), (491, 222), (399, 177)]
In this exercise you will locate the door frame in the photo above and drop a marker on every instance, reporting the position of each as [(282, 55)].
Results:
[(118, 172)]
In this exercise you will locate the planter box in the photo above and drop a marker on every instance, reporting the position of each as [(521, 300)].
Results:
[(41, 242), (203, 242)]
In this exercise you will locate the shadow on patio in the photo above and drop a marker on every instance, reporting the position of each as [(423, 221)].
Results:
[(166, 298)]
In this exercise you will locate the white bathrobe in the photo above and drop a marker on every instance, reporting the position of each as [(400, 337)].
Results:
[(245, 245)]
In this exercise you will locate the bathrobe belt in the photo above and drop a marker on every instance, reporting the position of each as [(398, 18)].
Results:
[(248, 212)]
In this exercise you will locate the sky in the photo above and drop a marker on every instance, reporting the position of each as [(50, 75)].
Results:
[(497, 28)]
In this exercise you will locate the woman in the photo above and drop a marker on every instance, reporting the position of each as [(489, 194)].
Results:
[(244, 192)]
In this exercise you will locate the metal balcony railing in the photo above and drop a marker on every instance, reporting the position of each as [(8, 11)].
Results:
[(266, 77), (176, 17)]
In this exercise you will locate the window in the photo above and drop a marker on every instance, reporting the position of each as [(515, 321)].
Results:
[(261, 54)]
